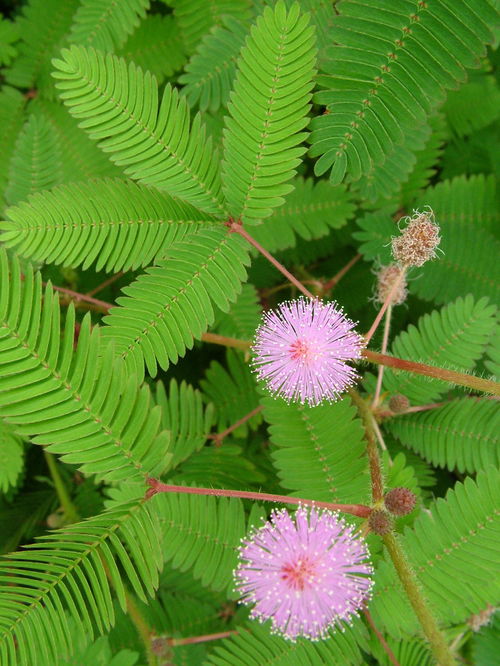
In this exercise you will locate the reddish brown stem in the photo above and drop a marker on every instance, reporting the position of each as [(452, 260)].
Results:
[(219, 437), (460, 378), (382, 641), (237, 228), (225, 341), (156, 486), (105, 284), (76, 296), (338, 276), (191, 640), (371, 446)]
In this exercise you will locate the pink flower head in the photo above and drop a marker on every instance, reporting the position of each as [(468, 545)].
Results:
[(300, 351), (305, 574)]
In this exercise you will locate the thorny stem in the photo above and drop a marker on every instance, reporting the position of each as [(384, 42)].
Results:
[(371, 447), (70, 511), (330, 284), (219, 437), (156, 486), (105, 284), (408, 580), (385, 305), (385, 340), (460, 378), (382, 641), (237, 227)]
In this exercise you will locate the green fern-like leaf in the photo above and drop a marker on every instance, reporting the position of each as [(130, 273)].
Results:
[(42, 26), (36, 161), (467, 212), (210, 72), (184, 416), (117, 224), (164, 310), (454, 541), (9, 34), (243, 316), (80, 404), (106, 24), (233, 392), (201, 534), (319, 452), (267, 112), (454, 337), (12, 104), (154, 143), (69, 569), (80, 157), (155, 46), (11, 456), (376, 231), (97, 652), (485, 643), (387, 72), (196, 17), (219, 467), (255, 645), (310, 211), (461, 435), (463, 113)]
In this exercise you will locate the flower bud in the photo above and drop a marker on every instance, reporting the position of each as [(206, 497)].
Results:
[(400, 501), (418, 242), (398, 403), (380, 522), (386, 278)]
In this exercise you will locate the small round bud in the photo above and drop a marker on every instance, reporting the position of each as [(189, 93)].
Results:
[(400, 501), (380, 522), (418, 242), (159, 646), (386, 277), (398, 403)]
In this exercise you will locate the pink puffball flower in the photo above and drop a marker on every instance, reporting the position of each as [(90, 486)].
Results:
[(300, 351), (305, 573)]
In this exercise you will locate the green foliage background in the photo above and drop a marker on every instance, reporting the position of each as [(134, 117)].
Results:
[(130, 132)]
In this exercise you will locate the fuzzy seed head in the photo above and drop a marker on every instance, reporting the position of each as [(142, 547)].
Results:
[(301, 348), (380, 522), (398, 403), (400, 501), (418, 242), (386, 278), (305, 573)]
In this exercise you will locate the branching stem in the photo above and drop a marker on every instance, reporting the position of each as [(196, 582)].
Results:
[(219, 437), (330, 284)]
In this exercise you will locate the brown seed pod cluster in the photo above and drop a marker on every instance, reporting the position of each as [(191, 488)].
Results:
[(380, 522), (418, 242), (398, 403), (386, 277), (400, 501)]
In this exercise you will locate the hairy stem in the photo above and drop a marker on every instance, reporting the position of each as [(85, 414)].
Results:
[(371, 447), (156, 486), (237, 227), (219, 437), (385, 305), (143, 629), (460, 378), (427, 621), (385, 341), (70, 511)]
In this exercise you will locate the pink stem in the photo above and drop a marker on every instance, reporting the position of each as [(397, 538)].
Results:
[(191, 640), (338, 276), (237, 227), (385, 341), (383, 642), (156, 486), (219, 437), (105, 284)]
